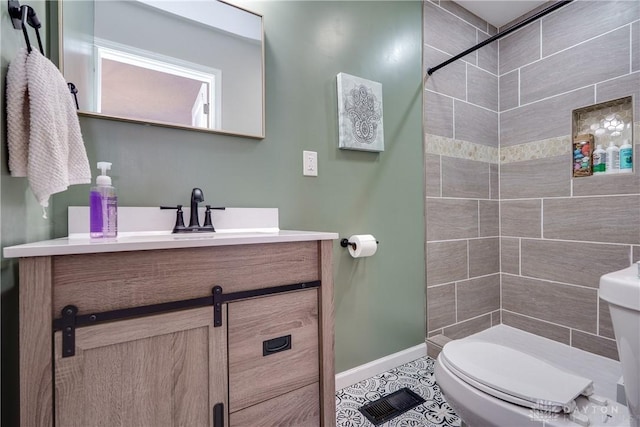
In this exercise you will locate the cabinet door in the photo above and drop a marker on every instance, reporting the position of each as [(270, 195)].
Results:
[(161, 370)]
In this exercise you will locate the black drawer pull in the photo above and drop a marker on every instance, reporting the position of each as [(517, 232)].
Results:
[(276, 345)]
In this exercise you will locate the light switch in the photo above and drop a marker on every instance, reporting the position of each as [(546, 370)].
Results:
[(309, 163)]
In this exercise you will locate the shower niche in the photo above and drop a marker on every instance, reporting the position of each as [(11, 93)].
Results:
[(602, 139)]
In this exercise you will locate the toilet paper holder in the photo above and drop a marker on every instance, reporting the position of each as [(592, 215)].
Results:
[(346, 243)]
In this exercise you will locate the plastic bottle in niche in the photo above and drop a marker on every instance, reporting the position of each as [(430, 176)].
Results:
[(103, 206), (626, 157), (613, 158), (599, 160)]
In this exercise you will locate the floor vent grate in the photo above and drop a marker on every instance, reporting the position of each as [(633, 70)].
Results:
[(390, 406)]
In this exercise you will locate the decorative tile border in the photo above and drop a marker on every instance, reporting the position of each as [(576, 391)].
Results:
[(547, 148), (552, 147), (443, 146), (536, 150)]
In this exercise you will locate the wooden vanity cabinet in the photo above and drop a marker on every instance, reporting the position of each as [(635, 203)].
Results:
[(269, 361)]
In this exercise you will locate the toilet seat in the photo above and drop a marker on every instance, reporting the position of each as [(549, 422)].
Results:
[(514, 376)]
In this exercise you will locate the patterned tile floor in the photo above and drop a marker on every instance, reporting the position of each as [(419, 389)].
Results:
[(417, 376)]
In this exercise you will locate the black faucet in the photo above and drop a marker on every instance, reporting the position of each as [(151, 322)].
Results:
[(196, 197)]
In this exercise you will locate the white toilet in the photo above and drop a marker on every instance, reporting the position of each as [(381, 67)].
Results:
[(621, 289), (489, 384)]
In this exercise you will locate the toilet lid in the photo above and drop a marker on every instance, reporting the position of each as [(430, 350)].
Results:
[(514, 376)]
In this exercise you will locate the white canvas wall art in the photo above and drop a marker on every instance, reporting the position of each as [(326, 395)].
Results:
[(359, 113)]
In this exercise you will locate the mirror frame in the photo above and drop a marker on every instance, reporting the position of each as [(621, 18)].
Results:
[(90, 114)]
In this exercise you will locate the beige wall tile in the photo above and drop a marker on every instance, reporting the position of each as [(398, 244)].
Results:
[(433, 350), (535, 326), (441, 306), (594, 344), (565, 305), (604, 322), (434, 333), (482, 88), (509, 90), (484, 256), (494, 181), (488, 54), (489, 224), (520, 218), (468, 327), (453, 82), (620, 88), (545, 119), (465, 178), (519, 48), (449, 219), (603, 16), (549, 177), (510, 255), (438, 114), (496, 318), (446, 262), (596, 219), (440, 340), (478, 296), (432, 175), (439, 24), (571, 262), (575, 68), (475, 124)]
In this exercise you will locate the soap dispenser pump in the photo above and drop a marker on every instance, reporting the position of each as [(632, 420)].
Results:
[(103, 206)]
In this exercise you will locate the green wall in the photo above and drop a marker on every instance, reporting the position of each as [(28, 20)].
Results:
[(379, 301)]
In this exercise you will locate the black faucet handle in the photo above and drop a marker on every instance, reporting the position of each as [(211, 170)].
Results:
[(208, 223), (179, 217)]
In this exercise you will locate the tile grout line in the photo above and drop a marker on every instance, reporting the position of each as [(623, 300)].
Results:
[(570, 328)]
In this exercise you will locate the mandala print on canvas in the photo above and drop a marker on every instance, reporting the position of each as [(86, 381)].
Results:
[(416, 375), (360, 113)]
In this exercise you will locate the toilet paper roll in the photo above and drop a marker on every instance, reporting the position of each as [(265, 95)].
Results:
[(365, 245)]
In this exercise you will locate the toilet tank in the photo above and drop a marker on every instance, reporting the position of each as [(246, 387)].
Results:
[(621, 289)]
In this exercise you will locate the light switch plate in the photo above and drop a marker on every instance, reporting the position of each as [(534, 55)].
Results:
[(309, 163)]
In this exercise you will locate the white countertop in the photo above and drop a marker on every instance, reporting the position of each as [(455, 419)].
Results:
[(151, 241)]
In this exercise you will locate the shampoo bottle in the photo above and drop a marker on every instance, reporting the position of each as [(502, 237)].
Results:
[(626, 157), (599, 160), (103, 206), (613, 158)]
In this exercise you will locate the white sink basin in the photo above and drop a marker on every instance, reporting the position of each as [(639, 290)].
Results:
[(622, 288)]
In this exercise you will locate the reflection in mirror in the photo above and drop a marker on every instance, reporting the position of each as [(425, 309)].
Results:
[(196, 64)]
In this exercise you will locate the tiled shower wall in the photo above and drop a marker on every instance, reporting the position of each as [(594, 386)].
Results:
[(461, 143), (553, 236), (560, 234)]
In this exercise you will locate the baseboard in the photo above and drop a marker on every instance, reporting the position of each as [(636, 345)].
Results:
[(378, 366)]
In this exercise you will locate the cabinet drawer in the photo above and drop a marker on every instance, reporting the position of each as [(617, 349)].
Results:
[(255, 377), (294, 409)]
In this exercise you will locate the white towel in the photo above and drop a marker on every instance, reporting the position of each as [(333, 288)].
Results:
[(55, 152), (18, 115)]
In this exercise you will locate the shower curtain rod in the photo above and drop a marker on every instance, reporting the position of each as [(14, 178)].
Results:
[(501, 34)]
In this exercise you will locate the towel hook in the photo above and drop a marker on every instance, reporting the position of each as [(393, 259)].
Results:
[(20, 17)]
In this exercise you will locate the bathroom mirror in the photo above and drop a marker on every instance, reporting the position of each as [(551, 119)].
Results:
[(192, 64)]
